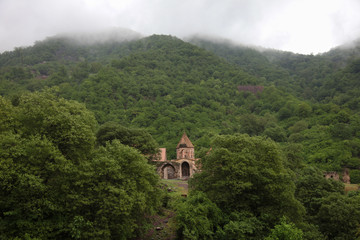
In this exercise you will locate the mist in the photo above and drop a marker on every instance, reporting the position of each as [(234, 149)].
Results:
[(101, 36), (301, 26)]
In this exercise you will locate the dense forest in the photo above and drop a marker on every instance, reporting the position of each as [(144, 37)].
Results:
[(80, 122)]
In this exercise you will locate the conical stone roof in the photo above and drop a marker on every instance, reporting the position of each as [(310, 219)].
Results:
[(184, 142)]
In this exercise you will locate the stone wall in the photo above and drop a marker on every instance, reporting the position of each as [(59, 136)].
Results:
[(178, 168), (345, 177), (332, 175)]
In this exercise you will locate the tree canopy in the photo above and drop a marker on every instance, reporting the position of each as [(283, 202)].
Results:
[(54, 181), (112, 102)]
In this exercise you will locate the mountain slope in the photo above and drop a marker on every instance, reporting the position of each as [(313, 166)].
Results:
[(309, 77), (167, 86), (159, 83)]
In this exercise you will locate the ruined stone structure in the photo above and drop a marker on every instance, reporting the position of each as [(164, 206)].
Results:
[(346, 176), (185, 164), (334, 175)]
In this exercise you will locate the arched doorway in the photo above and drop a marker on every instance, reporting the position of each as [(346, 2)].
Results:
[(185, 169), (168, 172)]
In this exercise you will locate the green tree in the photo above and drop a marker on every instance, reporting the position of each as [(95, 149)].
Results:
[(241, 225), (311, 187), (136, 138), (248, 173), (198, 217), (55, 183), (339, 216), (33, 172), (118, 189), (355, 176), (276, 133), (285, 231), (304, 110), (65, 123), (252, 124), (45, 140)]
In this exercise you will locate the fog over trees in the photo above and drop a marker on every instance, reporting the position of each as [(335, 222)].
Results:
[(79, 125)]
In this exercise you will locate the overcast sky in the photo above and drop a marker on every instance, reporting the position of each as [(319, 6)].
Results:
[(301, 26)]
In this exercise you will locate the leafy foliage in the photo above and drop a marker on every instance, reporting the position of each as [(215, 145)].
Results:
[(55, 183), (136, 138), (163, 86), (285, 231), (248, 173), (198, 217), (246, 178), (311, 187), (338, 216), (166, 86)]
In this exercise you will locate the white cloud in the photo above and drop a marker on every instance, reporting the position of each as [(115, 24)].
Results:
[(296, 25)]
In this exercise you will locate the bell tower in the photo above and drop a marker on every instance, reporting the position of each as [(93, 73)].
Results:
[(185, 149)]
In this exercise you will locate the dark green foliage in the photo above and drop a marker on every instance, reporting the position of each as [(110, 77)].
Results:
[(198, 217), (54, 182), (164, 86), (244, 173), (122, 191), (332, 75), (285, 231), (276, 133), (311, 187), (339, 216), (294, 155), (241, 225), (158, 83), (355, 176), (67, 124), (335, 214), (135, 138), (252, 124), (247, 173), (249, 59)]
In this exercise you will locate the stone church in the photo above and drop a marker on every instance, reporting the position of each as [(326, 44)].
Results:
[(185, 164)]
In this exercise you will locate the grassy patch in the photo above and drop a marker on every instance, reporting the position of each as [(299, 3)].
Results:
[(176, 186), (351, 187)]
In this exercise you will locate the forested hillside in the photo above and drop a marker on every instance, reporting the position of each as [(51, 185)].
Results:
[(319, 78), (168, 86), (300, 112)]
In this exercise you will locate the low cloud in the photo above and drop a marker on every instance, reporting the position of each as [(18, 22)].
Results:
[(296, 25)]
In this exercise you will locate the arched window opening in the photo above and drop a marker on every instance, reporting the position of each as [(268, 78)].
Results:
[(185, 169), (169, 172)]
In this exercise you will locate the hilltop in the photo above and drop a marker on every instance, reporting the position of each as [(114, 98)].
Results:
[(166, 85)]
